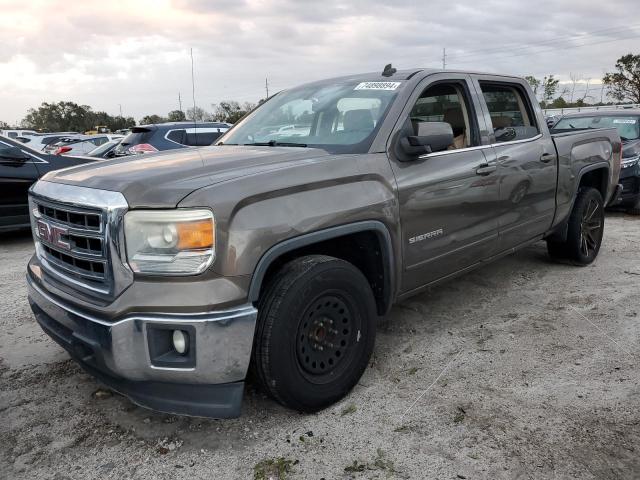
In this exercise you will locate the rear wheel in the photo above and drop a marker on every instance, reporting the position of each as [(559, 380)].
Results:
[(316, 331), (584, 230)]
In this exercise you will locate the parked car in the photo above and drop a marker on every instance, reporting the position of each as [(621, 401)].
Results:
[(627, 122), (17, 133), (181, 270), (80, 144), (106, 150), (20, 167), (168, 136), (41, 140)]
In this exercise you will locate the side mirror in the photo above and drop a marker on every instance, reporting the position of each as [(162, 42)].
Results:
[(430, 137), (13, 153)]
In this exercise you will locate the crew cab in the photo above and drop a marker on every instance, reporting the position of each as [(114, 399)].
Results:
[(168, 277)]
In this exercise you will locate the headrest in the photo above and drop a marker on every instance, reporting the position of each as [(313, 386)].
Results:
[(358, 120), (455, 118), (501, 122)]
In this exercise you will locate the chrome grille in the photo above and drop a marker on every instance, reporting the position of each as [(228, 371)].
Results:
[(72, 243)]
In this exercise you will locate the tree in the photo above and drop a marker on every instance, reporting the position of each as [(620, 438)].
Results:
[(624, 84), (176, 116), (4, 125), (58, 117), (534, 82), (198, 114), (549, 88), (151, 119), (559, 103), (231, 111), (69, 116)]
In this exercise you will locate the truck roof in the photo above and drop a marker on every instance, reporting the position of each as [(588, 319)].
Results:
[(613, 112), (400, 75)]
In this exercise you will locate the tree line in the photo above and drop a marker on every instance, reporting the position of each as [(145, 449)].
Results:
[(622, 85), (67, 116)]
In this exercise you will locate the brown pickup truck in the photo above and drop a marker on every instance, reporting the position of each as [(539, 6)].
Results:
[(168, 276)]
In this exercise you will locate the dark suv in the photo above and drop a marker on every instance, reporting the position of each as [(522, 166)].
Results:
[(627, 122), (167, 136)]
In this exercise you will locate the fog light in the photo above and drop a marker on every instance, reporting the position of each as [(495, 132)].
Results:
[(180, 341)]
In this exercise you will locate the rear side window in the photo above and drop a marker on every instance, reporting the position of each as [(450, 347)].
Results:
[(511, 115), (201, 139), (177, 136)]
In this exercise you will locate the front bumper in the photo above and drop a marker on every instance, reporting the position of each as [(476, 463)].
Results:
[(119, 353), (630, 181)]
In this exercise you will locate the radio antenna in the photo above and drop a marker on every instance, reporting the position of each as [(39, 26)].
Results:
[(193, 95)]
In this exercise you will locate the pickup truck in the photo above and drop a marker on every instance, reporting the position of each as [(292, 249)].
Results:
[(168, 277)]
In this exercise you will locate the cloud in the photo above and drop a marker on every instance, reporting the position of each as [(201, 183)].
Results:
[(136, 53)]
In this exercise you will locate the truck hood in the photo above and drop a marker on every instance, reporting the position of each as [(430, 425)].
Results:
[(162, 180)]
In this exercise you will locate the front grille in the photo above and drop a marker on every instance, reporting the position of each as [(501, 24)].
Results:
[(73, 243)]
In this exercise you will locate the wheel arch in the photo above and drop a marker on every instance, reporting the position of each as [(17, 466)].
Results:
[(377, 264)]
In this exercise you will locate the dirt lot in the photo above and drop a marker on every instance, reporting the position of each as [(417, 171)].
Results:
[(522, 369)]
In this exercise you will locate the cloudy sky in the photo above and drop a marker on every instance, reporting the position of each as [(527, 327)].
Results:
[(136, 53)]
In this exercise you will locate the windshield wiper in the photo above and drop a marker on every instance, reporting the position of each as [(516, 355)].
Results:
[(274, 143)]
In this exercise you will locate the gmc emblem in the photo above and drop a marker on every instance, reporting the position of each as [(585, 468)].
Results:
[(52, 234)]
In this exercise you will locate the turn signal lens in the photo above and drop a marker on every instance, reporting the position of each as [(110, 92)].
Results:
[(194, 235)]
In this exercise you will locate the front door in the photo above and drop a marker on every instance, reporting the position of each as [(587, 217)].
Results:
[(448, 198)]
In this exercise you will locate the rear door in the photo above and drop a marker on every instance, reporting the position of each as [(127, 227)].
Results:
[(447, 199), (526, 159)]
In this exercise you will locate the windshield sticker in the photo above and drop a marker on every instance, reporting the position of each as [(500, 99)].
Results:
[(377, 86), (625, 120)]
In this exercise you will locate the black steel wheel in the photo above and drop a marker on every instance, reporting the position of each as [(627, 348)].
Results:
[(326, 335), (315, 332)]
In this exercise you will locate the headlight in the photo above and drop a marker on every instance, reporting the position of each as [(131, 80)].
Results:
[(630, 162), (180, 242)]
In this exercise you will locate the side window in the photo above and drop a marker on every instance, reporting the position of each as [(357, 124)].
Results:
[(176, 136), (446, 102), (99, 141), (12, 134), (511, 115), (202, 138)]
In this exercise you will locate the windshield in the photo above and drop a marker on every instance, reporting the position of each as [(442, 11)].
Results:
[(340, 117), (628, 126)]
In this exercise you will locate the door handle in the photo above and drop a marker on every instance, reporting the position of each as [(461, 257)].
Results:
[(486, 169), (547, 157)]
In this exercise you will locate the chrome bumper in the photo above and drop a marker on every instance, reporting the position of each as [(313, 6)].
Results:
[(223, 340)]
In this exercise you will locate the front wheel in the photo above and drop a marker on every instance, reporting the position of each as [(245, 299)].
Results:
[(315, 334), (584, 231)]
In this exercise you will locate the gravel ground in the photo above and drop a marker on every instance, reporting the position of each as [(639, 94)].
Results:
[(521, 369)]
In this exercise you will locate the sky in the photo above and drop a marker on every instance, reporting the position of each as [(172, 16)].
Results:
[(135, 55)]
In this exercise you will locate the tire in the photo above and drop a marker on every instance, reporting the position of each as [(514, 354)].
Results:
[(557, 250), (315, 333), (586, 227)]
